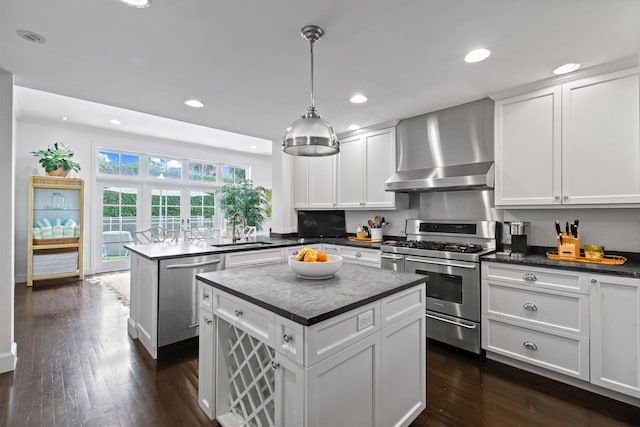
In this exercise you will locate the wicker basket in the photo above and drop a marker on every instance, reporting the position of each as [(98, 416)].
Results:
[(56, 241)]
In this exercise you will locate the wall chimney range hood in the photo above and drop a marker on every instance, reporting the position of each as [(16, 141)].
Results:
[(446, 150)]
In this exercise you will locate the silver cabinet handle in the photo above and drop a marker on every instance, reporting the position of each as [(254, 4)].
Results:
[(287, 338), (557, 198), (358, 254), (294, 253), (594, 282), (565, 198), (530, 345), (196, 264), (205, 295), (529, 306), (208, 321), (238, 313), (530, 277), (275, 365), (195, 325), (393, 257), (444, 262), (441, 319)]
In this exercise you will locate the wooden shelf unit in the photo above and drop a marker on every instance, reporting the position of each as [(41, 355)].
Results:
[(41, 188)]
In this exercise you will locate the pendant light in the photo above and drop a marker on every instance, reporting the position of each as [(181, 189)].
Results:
[(310, 135)]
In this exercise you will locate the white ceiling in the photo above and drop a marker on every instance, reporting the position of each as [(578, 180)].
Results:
[(246, 60)]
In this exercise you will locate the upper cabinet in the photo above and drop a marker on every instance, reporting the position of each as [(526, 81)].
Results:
[(572, 144), (365, 162), (314, 184)]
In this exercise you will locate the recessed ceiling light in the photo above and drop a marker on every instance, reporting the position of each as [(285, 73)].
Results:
[(289, 128), (253, 147), (137, 3), (358, 99), (194, 103), (353, 127), (115, 121), (566, 68), (65, 118), (477, 55), (31, 36)]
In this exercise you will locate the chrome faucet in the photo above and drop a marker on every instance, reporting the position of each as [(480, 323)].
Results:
[(233, 219)]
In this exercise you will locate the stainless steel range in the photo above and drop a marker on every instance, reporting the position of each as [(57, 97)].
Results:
[(448, 252)]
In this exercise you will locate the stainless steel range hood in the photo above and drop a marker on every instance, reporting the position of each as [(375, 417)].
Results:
[(450, 149)]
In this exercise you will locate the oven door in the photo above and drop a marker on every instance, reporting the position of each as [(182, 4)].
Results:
[(453, 287)]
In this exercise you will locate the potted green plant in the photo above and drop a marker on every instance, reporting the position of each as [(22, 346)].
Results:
[(57, 159), (242, 197)]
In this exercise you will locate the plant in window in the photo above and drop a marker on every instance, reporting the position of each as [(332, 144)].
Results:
[(57, 159), (246, 199)]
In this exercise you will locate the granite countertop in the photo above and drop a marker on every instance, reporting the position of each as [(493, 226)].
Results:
[(276, 288), (631, 268), (183, 249)]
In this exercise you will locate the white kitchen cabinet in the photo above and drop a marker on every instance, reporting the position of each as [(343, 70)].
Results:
[(578, 324), (261, 256), (365, 162), (314, 182), (577, 143), (615, 333), (289, 392), (354, 255), (295, 249), (143, 309), (207, 349), (343, 389)]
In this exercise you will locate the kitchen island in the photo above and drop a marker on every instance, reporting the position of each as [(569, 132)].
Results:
[(279, 350)]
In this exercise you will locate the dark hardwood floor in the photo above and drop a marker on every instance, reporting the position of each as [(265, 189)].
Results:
[(77, 366)]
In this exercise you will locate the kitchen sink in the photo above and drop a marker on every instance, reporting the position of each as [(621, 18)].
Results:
[(242, 244)]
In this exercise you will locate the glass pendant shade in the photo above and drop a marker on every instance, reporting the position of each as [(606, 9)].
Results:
[(311, 135)]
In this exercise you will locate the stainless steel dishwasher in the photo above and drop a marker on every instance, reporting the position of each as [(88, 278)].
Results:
[(178, 296)]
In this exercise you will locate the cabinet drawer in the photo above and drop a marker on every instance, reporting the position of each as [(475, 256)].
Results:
[(289, 339), (205, 297), (561, 353), (360, 255), (329, 337), (295, 249), (263, 256), (401, 304), (256, 321), (561, 311), (562, 280)]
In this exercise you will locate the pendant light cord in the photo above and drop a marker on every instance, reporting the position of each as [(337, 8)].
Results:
[(311, 49)]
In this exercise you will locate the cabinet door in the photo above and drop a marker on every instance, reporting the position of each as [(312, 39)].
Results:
[(206, 373), (403, 362), (343, 389), (289, 392), (615, 333), (600, 139), (380, 165), (321, 182), (351, 162), (527, 149), (300, 182)]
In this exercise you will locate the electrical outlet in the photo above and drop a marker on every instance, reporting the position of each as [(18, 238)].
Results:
[(365, 320)]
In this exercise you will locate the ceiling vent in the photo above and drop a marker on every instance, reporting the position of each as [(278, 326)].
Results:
[(31, 36)]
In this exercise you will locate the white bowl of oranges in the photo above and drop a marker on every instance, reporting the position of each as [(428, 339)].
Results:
[(311, 264)]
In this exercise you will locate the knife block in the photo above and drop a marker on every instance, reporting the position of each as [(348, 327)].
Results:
[(570, 246)]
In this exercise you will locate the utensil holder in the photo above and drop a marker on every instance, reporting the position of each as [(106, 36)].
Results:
[(570, 245)]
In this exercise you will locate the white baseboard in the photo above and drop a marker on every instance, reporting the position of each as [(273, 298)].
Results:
[(8, 360)]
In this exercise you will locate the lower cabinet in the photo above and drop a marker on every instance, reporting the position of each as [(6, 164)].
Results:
[(581, 325), (246, 258), (207, 349), (353, 255), (376, 378)]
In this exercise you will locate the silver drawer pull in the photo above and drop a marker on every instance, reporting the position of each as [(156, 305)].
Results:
[(294, 253), (205, 295), (358, 254), (287, 338), (238, 313), (529, 306), (208, 321), (530, 345), (594, 282), (530, 277), (195, 325), (275, 365)]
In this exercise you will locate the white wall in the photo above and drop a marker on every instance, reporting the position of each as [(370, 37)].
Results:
[(34, 134), (284, 217), (7, 200)]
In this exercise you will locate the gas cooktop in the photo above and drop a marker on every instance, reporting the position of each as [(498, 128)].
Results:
[(468, 248)]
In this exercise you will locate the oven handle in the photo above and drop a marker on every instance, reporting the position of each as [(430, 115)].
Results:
[(445, 263), (394, 257), (442, 319)]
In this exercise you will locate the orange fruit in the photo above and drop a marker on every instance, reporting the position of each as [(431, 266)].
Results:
[(310, 256), (322, 256)]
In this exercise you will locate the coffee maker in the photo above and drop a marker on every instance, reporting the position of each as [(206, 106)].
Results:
[(513, 238)]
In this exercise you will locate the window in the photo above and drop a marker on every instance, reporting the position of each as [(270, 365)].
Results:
[(202, 209), (165, 168), (202, 172), (165, 208), (233, 174), (113, 163)]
